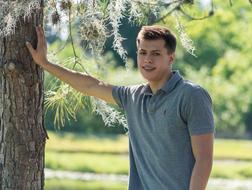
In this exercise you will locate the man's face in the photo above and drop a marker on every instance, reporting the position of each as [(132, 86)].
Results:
[(153, 59)]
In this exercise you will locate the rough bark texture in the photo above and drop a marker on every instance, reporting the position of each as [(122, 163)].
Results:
[(22, 133)]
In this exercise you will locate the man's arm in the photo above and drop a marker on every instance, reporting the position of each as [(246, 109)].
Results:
[(83, 83), (202, 146)]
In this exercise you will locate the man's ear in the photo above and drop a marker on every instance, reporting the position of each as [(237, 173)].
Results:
[(171, 57)]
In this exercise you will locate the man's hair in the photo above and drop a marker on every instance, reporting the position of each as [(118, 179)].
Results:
[(158, 32)]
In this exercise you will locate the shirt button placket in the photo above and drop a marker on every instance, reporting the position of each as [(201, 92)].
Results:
[(152, 104)]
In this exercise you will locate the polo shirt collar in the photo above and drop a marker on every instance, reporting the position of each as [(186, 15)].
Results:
[(169, 85), (172, 82)]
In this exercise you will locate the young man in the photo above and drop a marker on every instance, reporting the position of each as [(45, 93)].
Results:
[(171, 128)]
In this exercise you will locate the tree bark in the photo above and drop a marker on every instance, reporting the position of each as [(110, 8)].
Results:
[(22, 132)]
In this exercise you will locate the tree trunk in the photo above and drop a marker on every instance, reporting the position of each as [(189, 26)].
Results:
[(22, 132)]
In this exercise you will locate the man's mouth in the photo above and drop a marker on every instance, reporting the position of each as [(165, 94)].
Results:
[(148, 69)]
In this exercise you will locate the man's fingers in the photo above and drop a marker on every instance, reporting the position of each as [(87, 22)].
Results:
[(42, 30), (30, 48), (44, 38), (41, 36)]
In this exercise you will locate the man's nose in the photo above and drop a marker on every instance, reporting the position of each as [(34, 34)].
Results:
[(148, 59)]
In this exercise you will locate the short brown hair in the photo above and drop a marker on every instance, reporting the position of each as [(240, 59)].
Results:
[(158, 32)]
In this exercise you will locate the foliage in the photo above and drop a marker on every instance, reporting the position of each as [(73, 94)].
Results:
[(11, 11), (220, 46), (75, 103), (64, 102), (185, 40), (228, 104), (223, 65), (96, 19)]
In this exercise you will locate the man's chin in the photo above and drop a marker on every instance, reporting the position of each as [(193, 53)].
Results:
[(150, 79)]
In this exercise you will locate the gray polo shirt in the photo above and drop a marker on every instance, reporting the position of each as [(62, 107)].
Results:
[(160, 126)]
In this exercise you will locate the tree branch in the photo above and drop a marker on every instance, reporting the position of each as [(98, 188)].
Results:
[(76, 58), (211, 13)]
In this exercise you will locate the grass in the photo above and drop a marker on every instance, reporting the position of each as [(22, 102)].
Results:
[(232, 170), (233, 149), (87, 162), (71, 143), (108, 154), (118, 164), (56, 184)]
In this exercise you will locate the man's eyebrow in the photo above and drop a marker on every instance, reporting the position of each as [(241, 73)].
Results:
[(155, 50), (141, 49)]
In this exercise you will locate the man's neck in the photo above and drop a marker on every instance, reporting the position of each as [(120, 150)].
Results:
[(155, 86)]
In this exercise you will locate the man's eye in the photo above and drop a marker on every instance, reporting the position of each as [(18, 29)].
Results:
[(142, 53), (156, 54)]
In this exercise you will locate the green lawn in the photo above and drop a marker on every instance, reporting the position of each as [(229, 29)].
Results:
[(118, 164), (233, 149), (56, 184), (71, 143), (87, 162), (229, 170), (108, 154)]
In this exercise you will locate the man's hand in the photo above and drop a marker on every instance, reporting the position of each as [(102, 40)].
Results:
[(39, 55)]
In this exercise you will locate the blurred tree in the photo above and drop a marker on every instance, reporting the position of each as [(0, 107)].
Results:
[(223, 64)]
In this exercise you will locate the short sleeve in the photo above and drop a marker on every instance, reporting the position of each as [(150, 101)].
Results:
[(120, 95), (199, 114)]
